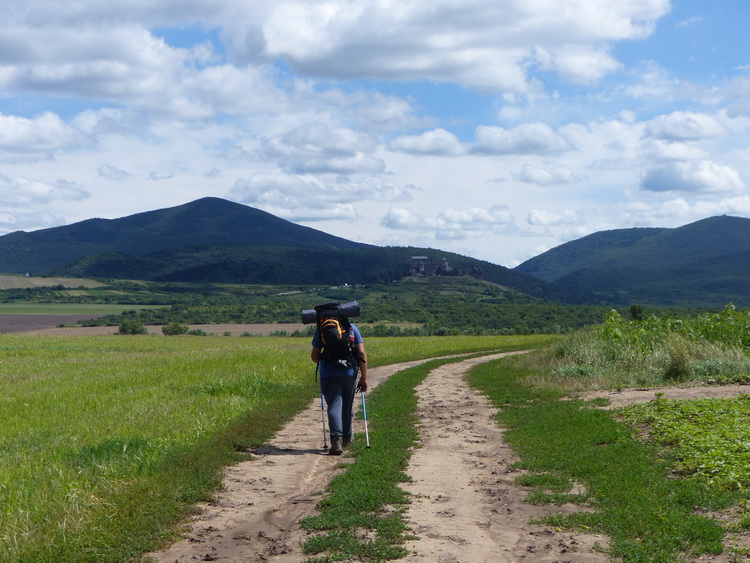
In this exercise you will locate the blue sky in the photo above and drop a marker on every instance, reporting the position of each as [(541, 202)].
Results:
[(493, 128)]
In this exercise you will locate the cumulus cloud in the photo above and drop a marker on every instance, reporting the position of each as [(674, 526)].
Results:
[(113, 173), (684, 126), (547, 176), (311, 198), (481, 44), (582, 64), (546, 218), (693, 177), (400, 218), (38, 136), (22, 191), (437, 142), (315, 148), (528, 138), (657, 149), (452, 223)]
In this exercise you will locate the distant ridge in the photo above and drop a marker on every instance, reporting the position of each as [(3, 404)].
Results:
[(212, 240), (205, 222), (705, 263)]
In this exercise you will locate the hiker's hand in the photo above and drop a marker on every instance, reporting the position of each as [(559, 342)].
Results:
[(362, 386)]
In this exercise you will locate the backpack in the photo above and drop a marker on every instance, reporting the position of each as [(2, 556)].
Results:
[(338, 340)]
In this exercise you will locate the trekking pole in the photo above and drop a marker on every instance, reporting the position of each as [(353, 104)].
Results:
[(322, 409), (364, 414), (323, 418)]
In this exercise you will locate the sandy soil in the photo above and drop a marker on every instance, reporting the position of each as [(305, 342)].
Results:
[(466, 507), (625, 397)]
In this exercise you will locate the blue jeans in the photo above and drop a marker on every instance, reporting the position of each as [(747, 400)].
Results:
[(339, 394)]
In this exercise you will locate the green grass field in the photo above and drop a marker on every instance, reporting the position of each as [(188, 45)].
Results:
[(107, 441), (83, 309)]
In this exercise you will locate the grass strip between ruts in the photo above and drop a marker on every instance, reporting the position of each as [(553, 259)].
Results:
[(647, 516), (357, 518)]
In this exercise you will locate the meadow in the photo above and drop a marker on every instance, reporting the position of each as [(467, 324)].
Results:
[(108, 441)]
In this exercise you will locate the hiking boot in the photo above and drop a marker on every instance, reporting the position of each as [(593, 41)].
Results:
[(347, 440), (336, 446)]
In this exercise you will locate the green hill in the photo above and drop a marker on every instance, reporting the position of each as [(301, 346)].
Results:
[(216, 241), (205, 222), (701, 264)]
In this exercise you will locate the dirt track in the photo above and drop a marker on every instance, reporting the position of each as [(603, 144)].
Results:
[(466, 507)]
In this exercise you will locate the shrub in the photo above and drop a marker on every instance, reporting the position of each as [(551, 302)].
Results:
[(174, 329), (132, 326)]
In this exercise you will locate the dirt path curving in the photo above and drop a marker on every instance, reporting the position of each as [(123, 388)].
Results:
[(466, 507)]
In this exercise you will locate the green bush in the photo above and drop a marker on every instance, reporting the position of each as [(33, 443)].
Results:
[(132, 326), (174, 329)]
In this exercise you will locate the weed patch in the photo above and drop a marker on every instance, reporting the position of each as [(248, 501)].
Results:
[(709, 437)]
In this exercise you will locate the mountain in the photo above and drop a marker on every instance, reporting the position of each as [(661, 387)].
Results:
[(706, 263), (213, 240), (205, 222)]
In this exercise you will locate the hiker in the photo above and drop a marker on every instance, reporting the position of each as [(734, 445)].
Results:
[(338, 383)]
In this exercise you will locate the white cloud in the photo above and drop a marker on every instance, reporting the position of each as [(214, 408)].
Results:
[(547, 176), (539, 217), (11, 221), (312, 199), (582, 64), (684, 126), (528, 138), (480, 44), (113, 173), (664, 150), (452, 223), (37, 137), (315, 148), (438, 142), (693, 177), (16, 192), (401, 218)]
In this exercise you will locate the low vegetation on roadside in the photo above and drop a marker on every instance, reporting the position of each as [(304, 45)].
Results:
[(652, 473), (628, 493), (656, 350)]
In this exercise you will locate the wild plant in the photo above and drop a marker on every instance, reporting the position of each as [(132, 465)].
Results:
[(651, 351)]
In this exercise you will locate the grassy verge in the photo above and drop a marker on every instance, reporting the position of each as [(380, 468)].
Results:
[(107, 442), (648, 516)]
